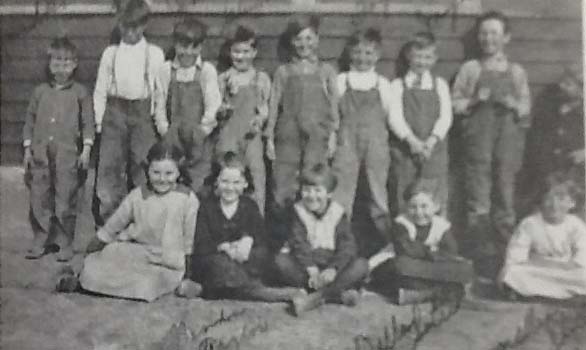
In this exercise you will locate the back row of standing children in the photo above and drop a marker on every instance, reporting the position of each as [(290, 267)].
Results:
[(309, 114)]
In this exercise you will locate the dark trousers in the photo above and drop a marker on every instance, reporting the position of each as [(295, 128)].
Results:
[(54, 187), (292, 273)]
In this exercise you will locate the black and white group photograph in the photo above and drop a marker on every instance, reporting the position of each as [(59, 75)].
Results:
[(292, 174)]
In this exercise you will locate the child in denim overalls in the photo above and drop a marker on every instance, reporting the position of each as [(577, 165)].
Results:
[(493, 95), (190, 99)]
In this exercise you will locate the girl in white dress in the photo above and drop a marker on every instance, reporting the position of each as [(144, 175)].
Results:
[(546, 256), (147, 242)]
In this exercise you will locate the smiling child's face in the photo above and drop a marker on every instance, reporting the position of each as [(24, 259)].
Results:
[(421, 208), (230, 185), (364, 56), (187, 54), (422, 60), (163, 175), (242, 55), (315, 198), (305, 43), (492, 37)]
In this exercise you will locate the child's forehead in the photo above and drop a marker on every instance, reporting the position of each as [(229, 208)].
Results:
[(493, 24), (165, 163), (243, 45), (366, 45), (314, 186), (62, 54), (231, 173), (421, 197), (429, 49)]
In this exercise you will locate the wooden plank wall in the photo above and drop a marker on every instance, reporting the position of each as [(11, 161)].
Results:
[(542, 44)]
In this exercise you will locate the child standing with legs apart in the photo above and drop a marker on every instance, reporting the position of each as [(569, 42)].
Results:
[(147, 242), (492, 94), (427, 253), (421, 113), (364, 132), (546, 255), (58, 121), (123, 105), (190, 99), (230, 248), (303, 111), (245, 92), (323, 253)]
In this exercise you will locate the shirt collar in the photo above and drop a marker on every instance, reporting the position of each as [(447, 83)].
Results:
[(198, 64), (65, 86), (148, 192), (141, 44), (426, 79), (313, 59)]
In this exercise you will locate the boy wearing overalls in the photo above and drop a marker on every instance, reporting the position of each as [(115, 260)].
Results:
[(189, 100), (493, 96), (421, 111), (245, 92), (123, 105), (303, 114), (59, 120), (363, 139)]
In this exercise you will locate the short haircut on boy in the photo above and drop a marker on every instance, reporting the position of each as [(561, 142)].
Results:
[(301, 22), (62, 45), (319, 175), (426, 186), (135, 13), (190, 32), (496, 15), (243, 34), (423, 40), (368, 35)]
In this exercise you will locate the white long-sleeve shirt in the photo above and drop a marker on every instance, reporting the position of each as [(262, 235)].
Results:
[(212, 98), (397, 117), (121, 73)]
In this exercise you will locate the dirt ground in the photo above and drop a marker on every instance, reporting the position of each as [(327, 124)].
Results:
[(33, 316)]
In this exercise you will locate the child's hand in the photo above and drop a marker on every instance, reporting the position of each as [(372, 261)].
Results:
[(224, 247), (483, 94), (577, 157), (83, 161), (27, 159), (510, 102), (332, 143), (314, 281), (95, 245), (242, 249), (416, 146), (429, 146), (162, 129), (256, 124), (270, 149), (327, 276)]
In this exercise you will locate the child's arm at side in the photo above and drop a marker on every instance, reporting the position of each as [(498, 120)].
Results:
[(162, 81), (87, 126), (392, 99), (579, 240), (300, 247), (519, 245), (334, 96), (274, 104), (444, 122), (121, 218), (103, 81), (29, 123), (464, 87), (521, 103), (345, 245), (262, 108), (211, 96)]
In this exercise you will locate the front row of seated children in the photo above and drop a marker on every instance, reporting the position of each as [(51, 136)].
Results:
[(162, 239)]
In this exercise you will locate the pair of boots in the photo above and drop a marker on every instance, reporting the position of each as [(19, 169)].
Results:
[(307, 302), (37, 249)]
